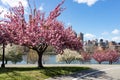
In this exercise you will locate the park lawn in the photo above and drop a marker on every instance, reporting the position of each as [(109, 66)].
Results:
[(32, 73)]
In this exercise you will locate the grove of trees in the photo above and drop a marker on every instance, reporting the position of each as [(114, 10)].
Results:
[(38, 32), (106, 55)]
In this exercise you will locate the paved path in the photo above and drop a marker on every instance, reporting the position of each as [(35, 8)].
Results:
[(98, 72)]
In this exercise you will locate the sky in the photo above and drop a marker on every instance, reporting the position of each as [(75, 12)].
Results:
[(96, 19)]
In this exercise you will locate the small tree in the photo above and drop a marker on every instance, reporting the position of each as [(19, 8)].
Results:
[(85, 56), (106, 55), (13, 57), (112, 56), (68, 56), (13, 53), (32, 56), (99, 56)]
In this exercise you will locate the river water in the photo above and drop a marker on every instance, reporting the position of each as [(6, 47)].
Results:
[(51, 59)]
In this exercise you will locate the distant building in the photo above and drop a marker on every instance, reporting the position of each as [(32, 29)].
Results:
[(75, 33), (113, 45), (81, 36), (89, 46)]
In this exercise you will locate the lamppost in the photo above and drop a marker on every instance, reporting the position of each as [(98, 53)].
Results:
[(3, 56)]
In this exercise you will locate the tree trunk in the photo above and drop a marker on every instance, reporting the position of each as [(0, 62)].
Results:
[(3, 57), (40, 50), (40, 54), (6, 61), (110, 62), (82, 61), (99, 62)]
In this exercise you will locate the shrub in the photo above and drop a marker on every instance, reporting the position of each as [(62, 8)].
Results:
[(68, 56)]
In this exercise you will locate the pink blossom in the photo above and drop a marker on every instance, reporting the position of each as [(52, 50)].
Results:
[(107, 55)]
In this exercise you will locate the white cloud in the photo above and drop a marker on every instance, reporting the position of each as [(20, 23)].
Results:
[(101, 38), (13, 3), (41, 7), (88, 2), (116, 39), (115, 31), (68, 24), (105, 33), (89, 36), (3, 11)]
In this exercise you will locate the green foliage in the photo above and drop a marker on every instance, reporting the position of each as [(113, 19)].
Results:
[(57, 71), (49, 49), (32, 56), (36, 73), (21, 74), (12, 53), (14, 57)]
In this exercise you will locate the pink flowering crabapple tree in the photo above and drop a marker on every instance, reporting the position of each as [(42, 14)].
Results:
[(99, 56), (4, 40), (106, 55), (86, 57), (112, 56), (39, 31)]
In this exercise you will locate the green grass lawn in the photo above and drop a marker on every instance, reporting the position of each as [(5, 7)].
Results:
[(32, 73)]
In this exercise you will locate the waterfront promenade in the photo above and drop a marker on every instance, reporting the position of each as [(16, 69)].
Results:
[(97, 72)]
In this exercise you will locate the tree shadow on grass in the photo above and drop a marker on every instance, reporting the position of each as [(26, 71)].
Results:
[(87, 74), (61, 71), (48, 71), (90, 74), (94, 74), (82, 73)]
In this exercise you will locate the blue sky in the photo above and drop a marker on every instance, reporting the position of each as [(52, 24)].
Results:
[(95, 18)]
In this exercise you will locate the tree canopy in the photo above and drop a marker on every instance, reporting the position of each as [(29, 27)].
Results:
[(39, 31)]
